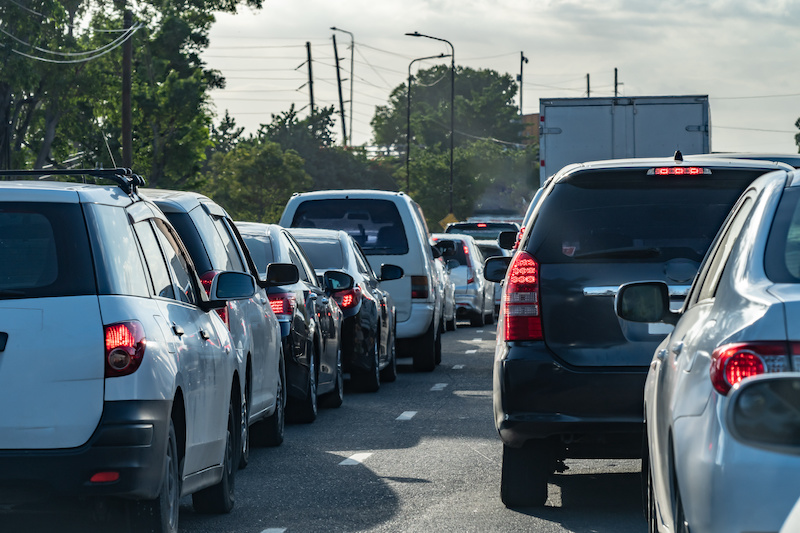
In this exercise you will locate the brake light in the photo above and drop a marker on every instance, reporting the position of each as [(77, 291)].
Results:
[(206, 280), (680, 171), (732, 363), (125, 344), (282, 304), (481, 224), (519, 237), (104, 477), (419, 286), (522, 317), (349, 298)]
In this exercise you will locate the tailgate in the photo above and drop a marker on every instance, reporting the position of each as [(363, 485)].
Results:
[(51, 372)]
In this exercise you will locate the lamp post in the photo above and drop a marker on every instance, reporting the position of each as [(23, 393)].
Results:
[(452, 101), (352, 51), (408, 119)]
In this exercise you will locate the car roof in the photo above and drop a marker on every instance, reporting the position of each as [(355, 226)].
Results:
[(181, 201), (62, 192), (319, 233), (789, 159), (647, 162), (350, 193)]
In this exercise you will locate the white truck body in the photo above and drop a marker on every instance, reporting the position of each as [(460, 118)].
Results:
[(574, 130)]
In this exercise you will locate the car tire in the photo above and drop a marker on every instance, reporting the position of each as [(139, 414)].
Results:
[(438, 348), (478, 318), (304, 410), (451, 324), (523, 480), (160, 515), (369, 380), (270, 431), (681, 525), (244, 437), (389, 373), (424, 356), (492, 316), (220, 498), (335, 398)]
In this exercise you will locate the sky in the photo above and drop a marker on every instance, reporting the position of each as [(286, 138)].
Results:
[(741, 53)]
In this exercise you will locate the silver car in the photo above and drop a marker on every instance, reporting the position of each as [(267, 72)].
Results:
[(474, 294), (739, 320), (492, 249)]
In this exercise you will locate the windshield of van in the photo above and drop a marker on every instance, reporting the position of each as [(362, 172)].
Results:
[(375, 224)]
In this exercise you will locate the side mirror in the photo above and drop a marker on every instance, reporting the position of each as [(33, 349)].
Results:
[(281, 274), (495, 268), (390, 272), (229, 286), (763, 412), (507, 239), (447, 248), (646, 301), (336, 280), (436, 252)]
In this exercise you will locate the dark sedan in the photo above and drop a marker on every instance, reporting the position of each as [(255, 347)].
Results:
[(311, 322), (368, 332)]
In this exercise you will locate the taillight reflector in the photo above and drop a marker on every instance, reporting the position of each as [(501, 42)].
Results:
[(521, 310), (419, 287), (125, 345), (104, 477), (732, 363)]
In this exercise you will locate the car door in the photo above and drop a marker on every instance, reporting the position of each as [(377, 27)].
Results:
[(371, 284), (200, 358)]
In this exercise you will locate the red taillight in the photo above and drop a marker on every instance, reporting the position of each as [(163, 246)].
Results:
[(349, 298), (125, 344), (470, 273), (104, 477), (206, 280), (732, 363), (282, 303), (482, 225), (680, 171), (519, 237), (419, 286), (523, 321)]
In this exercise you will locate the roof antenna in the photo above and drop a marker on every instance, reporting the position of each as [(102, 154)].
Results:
[(678, 156), (114, 163)]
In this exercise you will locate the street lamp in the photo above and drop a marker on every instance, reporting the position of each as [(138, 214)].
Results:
[(352, 51), (452, 101), (408, 119)]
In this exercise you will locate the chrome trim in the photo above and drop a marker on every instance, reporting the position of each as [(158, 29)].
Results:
[(674, 290)]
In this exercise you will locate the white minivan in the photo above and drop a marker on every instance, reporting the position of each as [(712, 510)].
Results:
[(390, 228)]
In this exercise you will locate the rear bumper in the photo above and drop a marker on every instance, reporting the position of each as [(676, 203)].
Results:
[(131, 439), (595, 412), (419, 321)]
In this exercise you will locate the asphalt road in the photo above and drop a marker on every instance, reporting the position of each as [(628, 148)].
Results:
[(420, 455)]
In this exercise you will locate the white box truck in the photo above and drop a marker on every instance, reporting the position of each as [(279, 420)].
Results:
[(574, 130)]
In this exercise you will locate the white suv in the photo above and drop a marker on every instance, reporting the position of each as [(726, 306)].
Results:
[(390, 228), (117, 378)]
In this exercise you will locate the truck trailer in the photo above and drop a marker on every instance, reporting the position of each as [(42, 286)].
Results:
[(574, 130)]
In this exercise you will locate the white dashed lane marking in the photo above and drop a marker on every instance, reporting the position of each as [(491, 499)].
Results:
[(439, 387), (471, 351), (477, 340), (355, 459), (274, 530), (458, 367), (406, 415)]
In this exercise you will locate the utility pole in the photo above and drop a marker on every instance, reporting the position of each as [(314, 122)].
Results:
[(588, 89), (310, 77), (339, 83), (522, 60), (127, 67), (616, 90), (352, 76)]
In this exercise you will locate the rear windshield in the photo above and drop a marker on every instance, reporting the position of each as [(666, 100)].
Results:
[(323, 254), (782, 262), (375, 224), (482, 230), (260, 250), (619, 216), (44, 251)]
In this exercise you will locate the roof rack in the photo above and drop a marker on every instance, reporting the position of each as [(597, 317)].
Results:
[(123, 177)]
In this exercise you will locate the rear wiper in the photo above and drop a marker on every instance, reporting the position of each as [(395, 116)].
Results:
[(628, 252)]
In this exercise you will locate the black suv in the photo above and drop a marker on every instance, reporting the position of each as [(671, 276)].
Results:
[(569, 374)]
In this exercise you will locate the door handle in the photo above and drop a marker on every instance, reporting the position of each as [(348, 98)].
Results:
[(177, 330)]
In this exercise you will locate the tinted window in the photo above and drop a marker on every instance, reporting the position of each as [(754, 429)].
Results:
[(159, 275), (783, 248), (119, 265), (184, 288), (482, 230), (375, 224), (629, 216), (260, 248), (489, 250), (44, 251), (324, 255)]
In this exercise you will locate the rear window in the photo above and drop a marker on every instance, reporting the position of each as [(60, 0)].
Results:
[(482, 230), (260, 248), (375, 224), (782, 262), (624, 216), (45, 251), (323, 254)]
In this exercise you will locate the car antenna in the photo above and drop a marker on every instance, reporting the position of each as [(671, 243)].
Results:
[(678, 156)]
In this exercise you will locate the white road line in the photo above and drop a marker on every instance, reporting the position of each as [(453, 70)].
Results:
[(478, 331), (355, 459), (460, 367), (274, 530), (471, 351), (477, 340), (439, 387), (406, 415)]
